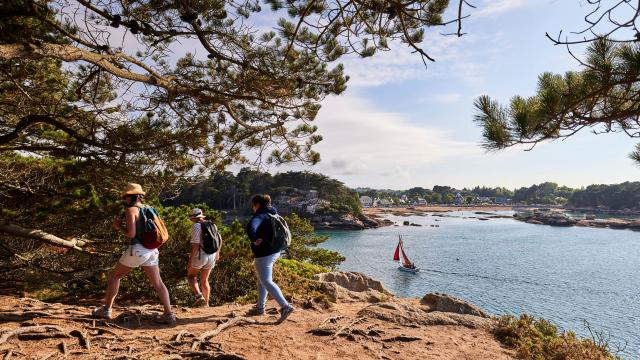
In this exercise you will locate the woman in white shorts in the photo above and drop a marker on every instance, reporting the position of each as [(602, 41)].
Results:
[(135, 255), (199, 261)]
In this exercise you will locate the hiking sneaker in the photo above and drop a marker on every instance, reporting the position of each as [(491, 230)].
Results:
[(101, 312), (199, 301), (166, 318), (255, 311), (285, 312)]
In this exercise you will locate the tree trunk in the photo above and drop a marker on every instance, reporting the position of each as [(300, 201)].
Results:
[(40, 235)]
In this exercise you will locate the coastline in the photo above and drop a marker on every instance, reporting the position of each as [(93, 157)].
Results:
[(378, 212)]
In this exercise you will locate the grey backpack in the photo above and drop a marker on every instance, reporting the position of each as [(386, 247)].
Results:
[(281, 232)]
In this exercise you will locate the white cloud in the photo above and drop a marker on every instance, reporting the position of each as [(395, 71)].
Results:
[(446, 98), (494, 7), (364, 145)]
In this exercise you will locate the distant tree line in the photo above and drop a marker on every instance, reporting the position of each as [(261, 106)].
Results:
[(615, 196), (226, 191)]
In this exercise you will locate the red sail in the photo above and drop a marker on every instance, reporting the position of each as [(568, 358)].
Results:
[(396, 256), (405, 259)]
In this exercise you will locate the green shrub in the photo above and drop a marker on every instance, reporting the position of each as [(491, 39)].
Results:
[(538, 339)]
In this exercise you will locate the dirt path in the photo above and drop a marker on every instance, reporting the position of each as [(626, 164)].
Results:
[(55, 331)]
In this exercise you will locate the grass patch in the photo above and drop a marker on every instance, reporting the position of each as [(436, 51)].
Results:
[(539, 339)]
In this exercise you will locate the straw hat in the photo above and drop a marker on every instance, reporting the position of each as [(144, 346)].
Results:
[(196, 213), (133, 189)]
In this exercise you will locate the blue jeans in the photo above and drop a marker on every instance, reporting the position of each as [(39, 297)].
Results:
[(264, 270)]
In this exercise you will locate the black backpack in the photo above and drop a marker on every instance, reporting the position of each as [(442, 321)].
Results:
[(210, 243)]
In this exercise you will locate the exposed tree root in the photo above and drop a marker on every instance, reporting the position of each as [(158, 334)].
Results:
[(83, 338), (29, 329), (208, 334), (348, 327), (42, 336)]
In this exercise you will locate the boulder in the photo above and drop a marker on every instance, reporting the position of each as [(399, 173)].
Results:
[(368, 222), (450, 304)]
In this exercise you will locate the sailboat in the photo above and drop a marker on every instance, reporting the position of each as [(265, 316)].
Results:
[(405, 264)]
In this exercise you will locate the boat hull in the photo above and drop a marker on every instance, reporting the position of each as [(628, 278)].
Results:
[(402, 268)]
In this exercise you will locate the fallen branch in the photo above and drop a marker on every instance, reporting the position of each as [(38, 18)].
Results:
[(29, 329)]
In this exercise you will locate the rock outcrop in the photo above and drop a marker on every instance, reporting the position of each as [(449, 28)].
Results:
[(407, 313), (348, 222), (352, 287), (433, 309), (451, 304)]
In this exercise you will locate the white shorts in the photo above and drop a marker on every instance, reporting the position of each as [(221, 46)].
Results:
[(138, 255), (204, 261)]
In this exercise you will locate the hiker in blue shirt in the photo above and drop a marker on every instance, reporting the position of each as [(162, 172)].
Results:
[(260, 233)]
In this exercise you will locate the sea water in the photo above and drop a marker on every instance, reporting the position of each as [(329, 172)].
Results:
[(569, 275)]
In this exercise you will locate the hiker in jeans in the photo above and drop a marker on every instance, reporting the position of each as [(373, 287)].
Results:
[(260, 232), (199, 260), (135, 255)]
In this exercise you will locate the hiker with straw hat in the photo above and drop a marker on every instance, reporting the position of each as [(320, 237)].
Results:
[(205, 251), (135, 255)]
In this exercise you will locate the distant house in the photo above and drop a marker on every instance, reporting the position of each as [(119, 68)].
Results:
[(283, 203), (385, 202), (404, 198), (366, 201), (502, 200), (312, 194), (483, 199), (421, 202), (458, 200), (313, 205)]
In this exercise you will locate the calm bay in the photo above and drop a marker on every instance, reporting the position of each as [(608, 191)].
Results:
[(567, 275)]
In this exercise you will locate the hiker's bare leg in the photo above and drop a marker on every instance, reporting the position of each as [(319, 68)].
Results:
[(192, 279), (153, 274), (113, 285), (204, 285)]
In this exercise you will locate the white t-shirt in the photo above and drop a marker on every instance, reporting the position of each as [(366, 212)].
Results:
[(196, 233)]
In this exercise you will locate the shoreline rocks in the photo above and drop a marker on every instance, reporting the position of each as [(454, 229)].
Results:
[(348, 222), (559, 219)]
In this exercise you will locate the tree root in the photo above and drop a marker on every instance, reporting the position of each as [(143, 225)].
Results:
[(41, 336), (29, 329), (402, 338), (332, 319), (179, 335), (83, 338), (203, 355), (348, 327), (63, 348), (208, 334)]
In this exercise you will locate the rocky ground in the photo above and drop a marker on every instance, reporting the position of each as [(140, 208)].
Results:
[(364, 321)]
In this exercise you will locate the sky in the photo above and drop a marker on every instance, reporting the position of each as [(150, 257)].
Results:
[(400, 125)]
